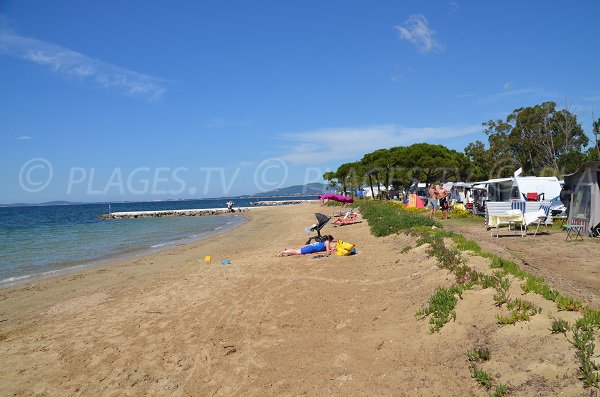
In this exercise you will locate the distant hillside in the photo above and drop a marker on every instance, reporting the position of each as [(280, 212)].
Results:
[(46, 204), (311, 189)]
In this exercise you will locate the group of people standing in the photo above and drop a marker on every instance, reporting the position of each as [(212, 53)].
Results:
[(437, 198)]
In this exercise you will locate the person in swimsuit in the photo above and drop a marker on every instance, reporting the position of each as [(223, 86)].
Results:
[(325, 245), (444, 204), (433, 200)]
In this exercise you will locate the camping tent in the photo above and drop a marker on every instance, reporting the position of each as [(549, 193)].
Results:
[(581, 196)]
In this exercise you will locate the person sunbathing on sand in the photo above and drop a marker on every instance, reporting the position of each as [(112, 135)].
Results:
[(325, 245)]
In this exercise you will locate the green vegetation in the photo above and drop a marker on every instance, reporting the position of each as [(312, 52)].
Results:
[(405, 249), (399, 166), (387, 219), (463, 214), (441, 307), (508, 266), (482, 377), (559, 326), (502, 285), (500, 391), (583, 340), (464, 244), (478, 354), (521, 310)]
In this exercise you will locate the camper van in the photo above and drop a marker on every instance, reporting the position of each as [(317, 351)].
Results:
[(525, 188), (516, 188)]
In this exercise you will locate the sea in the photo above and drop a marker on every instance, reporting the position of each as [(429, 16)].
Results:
[(49, 240)]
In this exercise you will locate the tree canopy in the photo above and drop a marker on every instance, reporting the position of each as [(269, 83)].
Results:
[(540, 139)]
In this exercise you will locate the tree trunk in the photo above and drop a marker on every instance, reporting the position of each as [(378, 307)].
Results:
[(371, 185)]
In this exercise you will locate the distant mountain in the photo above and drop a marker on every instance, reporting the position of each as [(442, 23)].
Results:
[(41, 204), (310, 189)]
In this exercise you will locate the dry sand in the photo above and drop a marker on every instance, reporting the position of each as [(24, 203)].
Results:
[(170, 324)]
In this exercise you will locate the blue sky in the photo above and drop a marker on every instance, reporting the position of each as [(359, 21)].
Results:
[(136, 100)]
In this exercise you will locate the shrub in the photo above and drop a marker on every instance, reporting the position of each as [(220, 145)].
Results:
[(385, 219)]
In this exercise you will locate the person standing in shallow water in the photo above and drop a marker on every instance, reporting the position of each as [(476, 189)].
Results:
[(433, 201)]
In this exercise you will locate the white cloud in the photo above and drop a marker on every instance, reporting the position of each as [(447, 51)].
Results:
[(416, 31), (319, 146), (507, 86), (454, 7), (81, 67), (24, 138)]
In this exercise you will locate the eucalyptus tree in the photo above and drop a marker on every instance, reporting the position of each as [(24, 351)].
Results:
[(539, 138), (480, 160), (500, 159)]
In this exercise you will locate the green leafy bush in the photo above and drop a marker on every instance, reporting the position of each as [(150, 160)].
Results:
[(385, 219)]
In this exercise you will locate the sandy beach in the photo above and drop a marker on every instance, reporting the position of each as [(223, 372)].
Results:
[(171, 324)]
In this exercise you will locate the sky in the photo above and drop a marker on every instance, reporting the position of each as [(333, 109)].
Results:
[(146, 100)]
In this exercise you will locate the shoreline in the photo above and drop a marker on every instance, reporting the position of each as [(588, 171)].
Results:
[(55, 270), (120, 277)]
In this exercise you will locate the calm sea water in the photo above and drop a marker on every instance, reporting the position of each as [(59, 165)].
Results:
[(47, 240)]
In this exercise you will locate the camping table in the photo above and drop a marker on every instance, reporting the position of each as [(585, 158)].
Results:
[(574, 229), (497, 220)]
